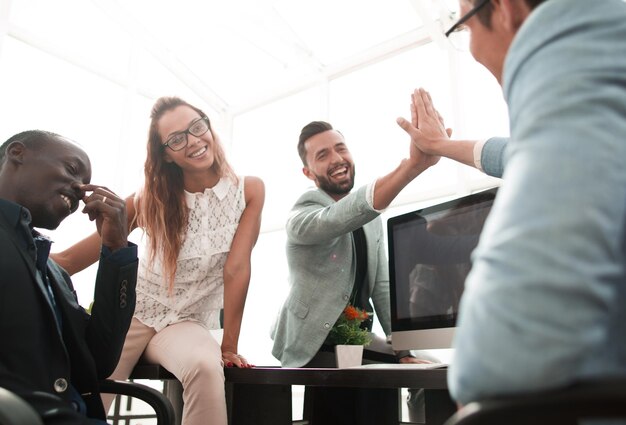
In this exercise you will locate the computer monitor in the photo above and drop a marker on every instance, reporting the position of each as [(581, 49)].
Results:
[(429, 259)]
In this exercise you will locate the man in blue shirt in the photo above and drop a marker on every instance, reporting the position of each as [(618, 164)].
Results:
[(53, 353), (544, 303)]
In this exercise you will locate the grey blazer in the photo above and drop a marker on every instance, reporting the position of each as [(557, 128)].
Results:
[(322, 266)]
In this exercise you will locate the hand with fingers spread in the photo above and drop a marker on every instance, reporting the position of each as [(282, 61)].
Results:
[(426, 128), (231, 359), (109, 212)]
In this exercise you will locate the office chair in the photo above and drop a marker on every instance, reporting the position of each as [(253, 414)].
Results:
[(155, 399), (598, 399), (15, 411)]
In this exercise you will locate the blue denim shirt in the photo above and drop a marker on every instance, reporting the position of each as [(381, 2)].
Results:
[(493, 156), (545, 302)]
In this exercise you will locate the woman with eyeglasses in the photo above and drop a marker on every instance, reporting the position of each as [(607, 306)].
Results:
[(201, 222)]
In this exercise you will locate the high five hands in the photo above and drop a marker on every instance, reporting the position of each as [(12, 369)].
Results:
[(426, 128)]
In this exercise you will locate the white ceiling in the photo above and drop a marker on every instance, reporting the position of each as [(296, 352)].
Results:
[(235, 54)]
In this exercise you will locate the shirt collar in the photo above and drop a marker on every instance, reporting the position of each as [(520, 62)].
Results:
[(19, 217), (14, 213), (220, 190)]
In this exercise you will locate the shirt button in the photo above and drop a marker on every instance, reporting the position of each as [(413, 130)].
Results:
[(60, 385), (345, 298), (327, 325)]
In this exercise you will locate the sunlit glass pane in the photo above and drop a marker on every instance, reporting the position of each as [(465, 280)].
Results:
[(455, 11), (453, 15)]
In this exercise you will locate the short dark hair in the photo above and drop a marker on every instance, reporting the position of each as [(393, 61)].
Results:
[(484, 15), (308, 131), (33, 139), (533, 3)]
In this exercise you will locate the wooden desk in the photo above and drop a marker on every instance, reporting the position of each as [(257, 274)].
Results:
[(263, 395)]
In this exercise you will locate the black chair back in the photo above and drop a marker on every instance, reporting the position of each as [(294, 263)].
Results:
[(598, 399)]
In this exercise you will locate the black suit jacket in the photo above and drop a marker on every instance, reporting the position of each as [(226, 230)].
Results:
[(39, 361)]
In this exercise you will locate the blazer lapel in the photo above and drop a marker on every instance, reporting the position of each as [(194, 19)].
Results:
[(30, 265)]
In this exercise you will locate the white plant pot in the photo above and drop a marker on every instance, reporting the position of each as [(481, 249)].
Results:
[(348, 355)]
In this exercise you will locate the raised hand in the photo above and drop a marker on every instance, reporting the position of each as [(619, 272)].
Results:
[(109, 212), (427, 129)]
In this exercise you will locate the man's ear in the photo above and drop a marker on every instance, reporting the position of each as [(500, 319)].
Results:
[(308, 173), (15, 152), (512, 13)]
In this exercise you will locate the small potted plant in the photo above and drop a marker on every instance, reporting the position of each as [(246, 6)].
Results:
[(348, 337)]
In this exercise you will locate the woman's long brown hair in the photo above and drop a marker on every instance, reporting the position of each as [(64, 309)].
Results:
[(161, 208)]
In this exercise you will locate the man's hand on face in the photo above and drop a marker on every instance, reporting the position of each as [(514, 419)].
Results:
[(109, 212)]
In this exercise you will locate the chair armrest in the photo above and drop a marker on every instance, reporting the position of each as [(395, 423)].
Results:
[(161, 405), (15, 411)]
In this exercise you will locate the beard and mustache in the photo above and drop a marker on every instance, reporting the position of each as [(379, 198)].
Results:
[(332, 188)]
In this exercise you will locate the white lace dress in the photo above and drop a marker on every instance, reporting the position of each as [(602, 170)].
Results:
[(198, 293)]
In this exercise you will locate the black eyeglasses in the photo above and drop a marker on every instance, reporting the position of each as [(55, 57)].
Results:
[(458, 26), (179, 140)]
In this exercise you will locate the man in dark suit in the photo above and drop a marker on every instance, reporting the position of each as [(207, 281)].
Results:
[(53, 353)]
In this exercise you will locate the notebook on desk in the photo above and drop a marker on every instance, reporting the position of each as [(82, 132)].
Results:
[(401, 366)]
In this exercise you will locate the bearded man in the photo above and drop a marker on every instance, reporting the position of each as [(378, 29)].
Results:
[(336, 252)]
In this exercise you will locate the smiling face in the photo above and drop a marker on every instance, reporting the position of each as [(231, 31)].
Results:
[(198, 154), (47, 179), (329, 163)]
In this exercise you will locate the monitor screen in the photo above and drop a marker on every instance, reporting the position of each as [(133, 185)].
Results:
[(429, 259)]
